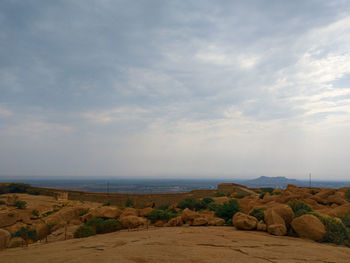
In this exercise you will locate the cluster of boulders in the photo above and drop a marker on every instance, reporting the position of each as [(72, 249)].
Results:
[(56, 218)]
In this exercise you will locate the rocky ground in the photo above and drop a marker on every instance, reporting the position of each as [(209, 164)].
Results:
[(180, 244)]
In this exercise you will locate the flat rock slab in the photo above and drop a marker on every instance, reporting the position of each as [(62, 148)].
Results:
[(180, 244)]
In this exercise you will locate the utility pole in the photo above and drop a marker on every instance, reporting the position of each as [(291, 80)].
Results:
[(309, 180), (108, 187)]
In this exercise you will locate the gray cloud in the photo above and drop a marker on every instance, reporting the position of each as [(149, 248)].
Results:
[(183, 87)]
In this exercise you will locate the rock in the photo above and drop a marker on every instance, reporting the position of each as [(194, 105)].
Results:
[(132, 221), (188, 215), (200, 221), (108, 212), (244, 222), (216, 221), (220, 200), (338, 199), (145, 211), (7, 218), (309, 226), (63, 217), (16, 242), (159, 223), (277, 229), (284, 211), (41, 230), (129, 211), (272, 218), (261, 226), (4, 238), (176, 221)]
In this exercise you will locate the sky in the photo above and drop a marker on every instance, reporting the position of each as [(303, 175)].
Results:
[(180, 89)]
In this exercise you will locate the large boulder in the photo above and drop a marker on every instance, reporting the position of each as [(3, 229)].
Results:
[(108, 212), (216, 221), (261, 226), (337, 198), (63, 217), (188, 215), (283, 211), (132, 221), (309, 226), (277, 229), (129, 211), (176, 221), (16, 242), (244, 222), (145, 211), (4, 238), (7, 218), (200, 221)]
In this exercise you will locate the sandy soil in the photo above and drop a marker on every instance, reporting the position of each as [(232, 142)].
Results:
[(180, 244)]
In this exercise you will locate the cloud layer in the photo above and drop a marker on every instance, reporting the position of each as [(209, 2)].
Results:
[(181, 88)]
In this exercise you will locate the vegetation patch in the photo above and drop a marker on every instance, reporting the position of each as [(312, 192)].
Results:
[(84, 231), (219, 194), (336, 231), (227, 210), (84, 212), (347, 195), (21, 204), (300, 208), (129, 203), (240, 196), (97, 226), (258, 213), (107, 204), (26, 233), (35, 212), (193, 204), (159, 214)]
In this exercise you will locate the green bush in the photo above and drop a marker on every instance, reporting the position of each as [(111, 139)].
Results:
[(21, 204), (84, 212), (267, 190), (300, 208), (107, 204), (163, 207), (207, 200), (240, 196), (33, 192), (345, 218), (227, 210), (219, 194), (193, 204), (18, 188), (158, 214), (35, 212), (129, 203), (347, 195), (102, 226), (26, 233), (212, 206), (10, 214), (336, 232), (84, 231), (258, 213)]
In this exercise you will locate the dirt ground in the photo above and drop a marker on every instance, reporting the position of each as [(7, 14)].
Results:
[(180, 244)]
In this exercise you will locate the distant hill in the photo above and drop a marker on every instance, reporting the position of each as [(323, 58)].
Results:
[(282, 182)]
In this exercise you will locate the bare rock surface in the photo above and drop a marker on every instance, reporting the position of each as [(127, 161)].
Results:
[(180, 244)]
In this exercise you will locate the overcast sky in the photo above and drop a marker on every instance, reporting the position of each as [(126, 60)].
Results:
[(175, 88)]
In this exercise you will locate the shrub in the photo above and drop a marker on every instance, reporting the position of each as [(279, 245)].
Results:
[(102, 226), (158, 214), (212, 206), (107, 204), (300, 208), (26, 233), (219, 194), (335, 231), (192, 203), (163, 207), (261, 196), (35, 212), (258, 213), (207, 200), (21, 204), (33, 192), (240, 196), (84, 212), (18, 188), (129, 203), (345, 218), (347, 195), (227, 210), (84, 231), (10, 214), (267, 190)]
